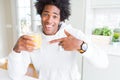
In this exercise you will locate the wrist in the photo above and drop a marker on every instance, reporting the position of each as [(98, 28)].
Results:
[(83, 47), (16, 50)]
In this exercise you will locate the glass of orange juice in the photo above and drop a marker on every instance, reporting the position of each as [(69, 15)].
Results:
[(34, 32), (37, 39)]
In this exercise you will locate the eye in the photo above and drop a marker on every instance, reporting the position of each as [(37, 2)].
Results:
[(54, 17)]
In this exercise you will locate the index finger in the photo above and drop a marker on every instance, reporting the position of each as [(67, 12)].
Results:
[(27, 37), (56, 40)]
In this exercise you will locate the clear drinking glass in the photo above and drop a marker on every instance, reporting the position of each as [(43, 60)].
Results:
[(37, 39), (36, 35)]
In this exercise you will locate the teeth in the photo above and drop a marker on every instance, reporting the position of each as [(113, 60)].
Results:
[(48, 26)]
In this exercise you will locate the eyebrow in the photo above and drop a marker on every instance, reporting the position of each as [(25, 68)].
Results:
[(53, 12)]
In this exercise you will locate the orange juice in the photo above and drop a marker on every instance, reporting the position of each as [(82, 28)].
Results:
[(37, 39)]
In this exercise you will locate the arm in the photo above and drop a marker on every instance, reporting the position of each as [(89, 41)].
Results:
[(19, 58), (73, 42), (95, 54), (18, 64)]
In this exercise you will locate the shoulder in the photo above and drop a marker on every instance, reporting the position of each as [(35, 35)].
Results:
[(65, 25), (72, 30)]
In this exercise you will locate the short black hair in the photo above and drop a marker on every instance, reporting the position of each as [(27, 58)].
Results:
[(63, 5)]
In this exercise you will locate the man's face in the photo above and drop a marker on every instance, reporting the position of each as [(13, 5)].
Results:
[(50, 19)]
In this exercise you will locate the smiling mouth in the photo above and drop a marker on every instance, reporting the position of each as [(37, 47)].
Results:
[(48, 27)]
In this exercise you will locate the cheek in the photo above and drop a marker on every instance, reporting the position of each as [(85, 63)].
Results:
[(57, 21), (42, 20)]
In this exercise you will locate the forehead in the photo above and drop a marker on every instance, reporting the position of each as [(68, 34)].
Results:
[(51, 9)]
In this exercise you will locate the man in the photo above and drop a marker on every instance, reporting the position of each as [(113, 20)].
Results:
[(61, 44)]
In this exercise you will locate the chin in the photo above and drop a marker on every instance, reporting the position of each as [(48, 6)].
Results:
[(49, 33)]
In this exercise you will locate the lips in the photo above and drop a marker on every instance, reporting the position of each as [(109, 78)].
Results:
[(48, 27)]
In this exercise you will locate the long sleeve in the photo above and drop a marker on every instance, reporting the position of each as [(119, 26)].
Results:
[(17, 65), (94, 54)]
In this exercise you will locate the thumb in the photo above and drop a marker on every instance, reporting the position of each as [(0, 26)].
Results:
[(67, 33)]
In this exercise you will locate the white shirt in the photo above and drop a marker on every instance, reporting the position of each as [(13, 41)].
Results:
[(52, 62)]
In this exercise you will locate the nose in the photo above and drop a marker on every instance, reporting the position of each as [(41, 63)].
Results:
[(49, 20)]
